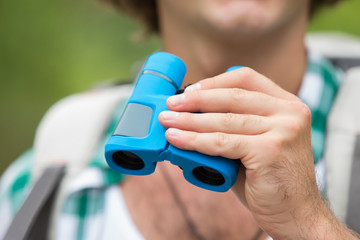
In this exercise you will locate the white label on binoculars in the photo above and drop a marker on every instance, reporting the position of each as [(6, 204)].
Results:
[(135, 121)]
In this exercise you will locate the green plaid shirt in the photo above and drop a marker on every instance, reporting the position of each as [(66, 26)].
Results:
[(84, 210)]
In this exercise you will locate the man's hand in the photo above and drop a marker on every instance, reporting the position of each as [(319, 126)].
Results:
[(248, 117)]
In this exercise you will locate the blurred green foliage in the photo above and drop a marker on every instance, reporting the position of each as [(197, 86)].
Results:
[(50, 49), (344, 17)]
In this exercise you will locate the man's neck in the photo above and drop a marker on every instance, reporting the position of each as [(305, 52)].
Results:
[(279, 55)]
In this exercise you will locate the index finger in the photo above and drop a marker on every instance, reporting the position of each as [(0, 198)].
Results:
[(245, 78)]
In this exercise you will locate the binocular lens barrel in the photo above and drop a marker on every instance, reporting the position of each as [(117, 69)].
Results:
[(128, 160), (209, 176)]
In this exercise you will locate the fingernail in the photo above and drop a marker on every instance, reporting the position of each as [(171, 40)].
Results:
[(173, 132), (193, 87), (176, 99), (169, 115)]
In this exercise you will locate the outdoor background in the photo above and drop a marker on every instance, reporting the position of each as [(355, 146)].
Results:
[(50, 49)]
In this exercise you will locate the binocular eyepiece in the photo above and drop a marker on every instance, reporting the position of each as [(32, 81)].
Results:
[(139, 142)]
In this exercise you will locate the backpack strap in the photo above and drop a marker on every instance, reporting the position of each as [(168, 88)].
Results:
[(67, 136), (342, 147), (32, 219), (345, 63), (353, 212)]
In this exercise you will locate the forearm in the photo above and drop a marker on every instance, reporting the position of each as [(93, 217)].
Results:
[(318, 224), (329, 227)]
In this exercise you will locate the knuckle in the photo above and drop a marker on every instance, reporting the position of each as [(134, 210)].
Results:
[(295, 128), (275, 141), (236, 94), (301, 121), (247, 123), (228, 119), (236, 145), (221, 141), (246, 73), (292, 126), (306, 113), (303, 111)]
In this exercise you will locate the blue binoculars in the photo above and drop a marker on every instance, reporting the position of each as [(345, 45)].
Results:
[(139, 142)]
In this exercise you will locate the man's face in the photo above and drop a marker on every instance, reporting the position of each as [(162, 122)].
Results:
[(254, 17)]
